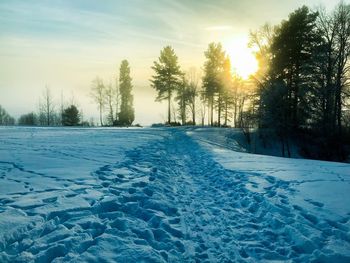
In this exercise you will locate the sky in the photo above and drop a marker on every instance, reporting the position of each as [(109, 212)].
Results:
[(64, 45)]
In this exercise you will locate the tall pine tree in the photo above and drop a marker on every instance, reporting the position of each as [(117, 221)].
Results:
[(167, 76), (126, 114), (293, 48)]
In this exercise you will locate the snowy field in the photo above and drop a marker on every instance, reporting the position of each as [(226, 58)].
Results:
[(164, 195)]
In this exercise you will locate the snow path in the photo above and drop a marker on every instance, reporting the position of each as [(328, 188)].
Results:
[(167, 200)]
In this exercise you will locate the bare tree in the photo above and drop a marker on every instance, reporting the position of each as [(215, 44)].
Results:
[(334, 75), (98, 95), (261, 40), (203, 109), (46, 108), (327, 26), (238, 99), (342, 18), (110, 100), (117, 98), (193, 79)]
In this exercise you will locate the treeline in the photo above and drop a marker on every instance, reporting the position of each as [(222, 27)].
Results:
[(300, 92), (303, 84), (115, 102), (50, 113), (5, 118), (215, 92)]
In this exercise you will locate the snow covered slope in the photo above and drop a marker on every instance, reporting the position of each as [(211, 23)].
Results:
[(164, 195)]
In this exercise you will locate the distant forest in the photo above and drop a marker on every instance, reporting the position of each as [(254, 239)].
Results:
[(300, 91)]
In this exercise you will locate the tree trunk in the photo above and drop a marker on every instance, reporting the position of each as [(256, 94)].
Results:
[(282, 143), (48, 108), (338, 103), (226, 113), (235, 114), (295, 116), (338, 111), (101, 115), (208, 108), (219, 110), (111, 113), (194, 112), (287, 145), (329, 124), (212, 111), (169, 111), (117, 94), (183, 112)]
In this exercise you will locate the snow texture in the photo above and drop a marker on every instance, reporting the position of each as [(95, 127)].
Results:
[(164, 195)]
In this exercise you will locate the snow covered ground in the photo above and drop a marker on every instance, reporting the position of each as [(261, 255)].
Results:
[(164, 195)]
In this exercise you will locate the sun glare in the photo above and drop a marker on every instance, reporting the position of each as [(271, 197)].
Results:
[(243, 61)]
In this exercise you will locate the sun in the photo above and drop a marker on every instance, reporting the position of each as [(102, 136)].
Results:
[(243, 61)]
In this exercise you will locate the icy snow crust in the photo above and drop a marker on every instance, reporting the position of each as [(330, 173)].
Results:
[(164, 195)]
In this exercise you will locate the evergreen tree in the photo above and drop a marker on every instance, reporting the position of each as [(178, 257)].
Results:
[(293, 48), (286, 87), (167, 76), (126, 114), (70, 116)]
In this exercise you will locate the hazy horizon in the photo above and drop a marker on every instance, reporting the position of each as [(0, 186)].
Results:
[(66, 44)]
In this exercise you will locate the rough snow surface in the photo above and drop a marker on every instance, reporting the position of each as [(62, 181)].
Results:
[(164, 195)]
